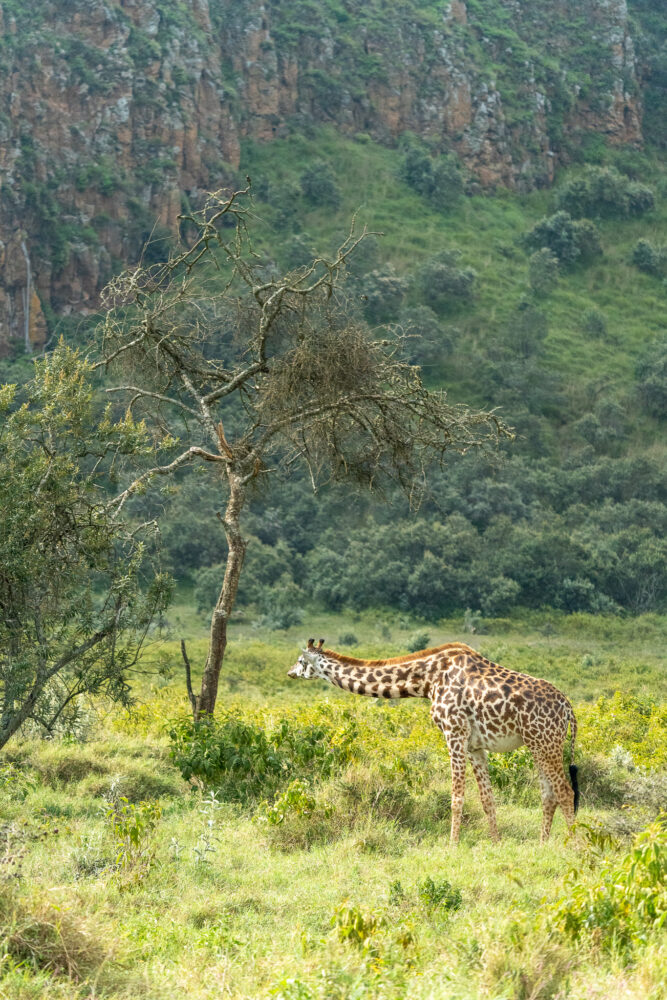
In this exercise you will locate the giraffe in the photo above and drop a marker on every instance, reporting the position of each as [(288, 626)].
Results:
[(478, 706)]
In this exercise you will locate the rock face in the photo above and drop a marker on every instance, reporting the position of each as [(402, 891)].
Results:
[(116, 112)]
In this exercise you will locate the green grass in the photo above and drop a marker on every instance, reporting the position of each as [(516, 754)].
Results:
[(217, 901)]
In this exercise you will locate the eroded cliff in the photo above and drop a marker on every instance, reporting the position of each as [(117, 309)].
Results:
[(115, 112)]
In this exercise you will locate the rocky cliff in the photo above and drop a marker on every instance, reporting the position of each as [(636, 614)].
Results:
[(113, 112)]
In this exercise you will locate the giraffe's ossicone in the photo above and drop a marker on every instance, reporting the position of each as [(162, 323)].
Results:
[(478, 705)]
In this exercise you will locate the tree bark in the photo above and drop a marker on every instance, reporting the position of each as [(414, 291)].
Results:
[(227, 598)]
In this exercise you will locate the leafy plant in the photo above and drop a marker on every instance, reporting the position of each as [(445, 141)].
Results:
[(438, 895), (243, 760), (604, 191), (570, 241), (356, 926), (132, 826), (512, 772), (296, 800), (649, 258), (419, 640), (15, 782), (626, 903), (543, 271)]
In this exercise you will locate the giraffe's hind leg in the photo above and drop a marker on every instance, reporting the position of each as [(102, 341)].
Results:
[(549, 803), (480, 768), (549, 761)]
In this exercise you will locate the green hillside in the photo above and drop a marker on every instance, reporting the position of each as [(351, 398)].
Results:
[(571, 513)]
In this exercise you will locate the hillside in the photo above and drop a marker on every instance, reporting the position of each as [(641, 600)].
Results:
[(116, 114), (573, 513), (518, 187)]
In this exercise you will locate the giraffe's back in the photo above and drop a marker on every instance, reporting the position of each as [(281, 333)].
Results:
[(504, 708)]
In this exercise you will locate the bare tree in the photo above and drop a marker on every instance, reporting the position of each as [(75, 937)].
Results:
[(209, 336)]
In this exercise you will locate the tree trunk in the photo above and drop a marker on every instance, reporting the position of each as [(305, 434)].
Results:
[(13, 719), (225, 604)]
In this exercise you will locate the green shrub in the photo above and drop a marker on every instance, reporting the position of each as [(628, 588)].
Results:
[(418, 641), (513, 774), (356, 926), (243, 760), (543, 271), (16, 783), (652, 378), (132, 826), (440, 895), (382, 294), (319, 187), (627, 901), (296, 800), (571, 242), (637, 724), (605, 192), (649, 258), (594, 323), (437, 178), (445, 285)]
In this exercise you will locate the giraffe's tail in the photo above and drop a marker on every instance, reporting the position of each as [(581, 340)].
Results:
[(573, 767)]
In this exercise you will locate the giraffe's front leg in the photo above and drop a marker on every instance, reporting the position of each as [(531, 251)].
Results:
[(457, 755), (480, 768), (454, 726)]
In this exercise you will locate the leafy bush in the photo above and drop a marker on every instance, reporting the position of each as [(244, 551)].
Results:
[(652, 378), (354, 925), (229, 754), (440, 895), (543, 271), (296, 800), (444, 284), (319, 187), (438, 179), (636, 723), (594, 323), (605, 192), (513, 774), (279, 604), (348, 639), (649, 258), (243, 760), (626, 903), (570, 241), (132, 826), (16, 783), (419, 640), (382, 293)]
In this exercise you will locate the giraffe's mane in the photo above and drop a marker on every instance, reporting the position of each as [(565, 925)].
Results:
[(406, 658)]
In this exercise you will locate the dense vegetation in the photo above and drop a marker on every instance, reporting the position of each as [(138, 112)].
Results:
[(542, 305), (307, 858)]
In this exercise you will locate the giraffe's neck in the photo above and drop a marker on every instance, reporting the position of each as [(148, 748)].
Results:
[(404, 680)]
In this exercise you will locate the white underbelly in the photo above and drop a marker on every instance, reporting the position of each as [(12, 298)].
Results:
[(496, 743), (499, 744)]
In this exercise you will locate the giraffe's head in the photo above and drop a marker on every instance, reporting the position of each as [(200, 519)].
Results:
[(308, 663)]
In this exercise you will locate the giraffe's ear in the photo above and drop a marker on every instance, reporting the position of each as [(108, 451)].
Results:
[(310, 644), (320, 644)]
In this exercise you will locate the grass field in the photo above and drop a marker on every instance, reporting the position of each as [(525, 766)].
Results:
[(327, 873)]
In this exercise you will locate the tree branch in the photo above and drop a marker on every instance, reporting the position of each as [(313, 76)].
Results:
[(188, 678), (153, 395), (162, 470)]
